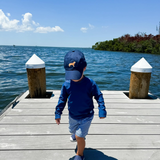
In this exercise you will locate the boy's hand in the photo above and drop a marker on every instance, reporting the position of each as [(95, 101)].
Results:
[(102, 117), (58, 121)]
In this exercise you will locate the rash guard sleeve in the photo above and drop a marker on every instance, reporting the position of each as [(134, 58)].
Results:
[(99, 98), (61, 102)]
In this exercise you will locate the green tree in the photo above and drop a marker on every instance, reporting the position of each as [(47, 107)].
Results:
[(141, 43)]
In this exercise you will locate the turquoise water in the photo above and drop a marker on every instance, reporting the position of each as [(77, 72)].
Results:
[(111, 70)]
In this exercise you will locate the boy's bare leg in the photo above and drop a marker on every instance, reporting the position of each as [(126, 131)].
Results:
[(80, 145)]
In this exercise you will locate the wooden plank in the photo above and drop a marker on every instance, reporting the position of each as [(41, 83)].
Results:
[(106, 94), (56, 94), (64, 119), (112, 96), (90, 153), (113, 105), (111, 100), (65, 111), (94, 129), (95, 141)]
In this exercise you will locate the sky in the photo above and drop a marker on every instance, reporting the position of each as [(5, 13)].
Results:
[(74, 23)]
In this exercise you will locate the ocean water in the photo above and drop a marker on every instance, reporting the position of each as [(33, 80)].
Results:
[(110, 70)]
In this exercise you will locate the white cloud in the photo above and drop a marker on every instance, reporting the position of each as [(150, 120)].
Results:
[(91, 26), (84, 30), (48, 29), (27, 24), (6, 24), (8, 14)]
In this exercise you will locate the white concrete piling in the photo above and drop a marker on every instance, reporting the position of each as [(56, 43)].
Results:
[(36, 77), (140, 79)]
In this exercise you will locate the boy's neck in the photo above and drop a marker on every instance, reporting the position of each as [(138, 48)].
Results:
[(78, 79)]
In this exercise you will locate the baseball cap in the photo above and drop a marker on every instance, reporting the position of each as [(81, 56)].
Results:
[(74, 63)]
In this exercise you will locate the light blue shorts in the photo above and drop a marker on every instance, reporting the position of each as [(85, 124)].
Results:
[(80, 127)]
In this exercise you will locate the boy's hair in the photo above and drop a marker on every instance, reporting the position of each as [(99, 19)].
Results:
[(74, 63)]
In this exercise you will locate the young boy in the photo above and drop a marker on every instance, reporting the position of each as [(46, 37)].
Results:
[(79, 91)]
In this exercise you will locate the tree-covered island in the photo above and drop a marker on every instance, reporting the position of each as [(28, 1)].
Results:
[(141, 43)]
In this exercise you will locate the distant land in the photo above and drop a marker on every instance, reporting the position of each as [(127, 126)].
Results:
[(140, 43)]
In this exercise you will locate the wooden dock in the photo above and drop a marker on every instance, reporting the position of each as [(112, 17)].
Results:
[(131, 130)]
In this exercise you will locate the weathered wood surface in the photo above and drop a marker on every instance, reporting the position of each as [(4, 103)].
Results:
[(111, 112), (104, 129), (155, 120), (112, 105), (57, 142), (90, 154), (139, 84), (131, 130), (36, 82)]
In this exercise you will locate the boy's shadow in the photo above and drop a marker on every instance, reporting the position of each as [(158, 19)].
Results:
[(94, 154)]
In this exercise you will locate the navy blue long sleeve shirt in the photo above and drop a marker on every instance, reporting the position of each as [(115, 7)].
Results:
[(80, 102)]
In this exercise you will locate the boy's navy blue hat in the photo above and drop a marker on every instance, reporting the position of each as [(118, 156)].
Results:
[(74, 63)]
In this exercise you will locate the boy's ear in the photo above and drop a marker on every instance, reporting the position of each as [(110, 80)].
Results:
[(84, 69)]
